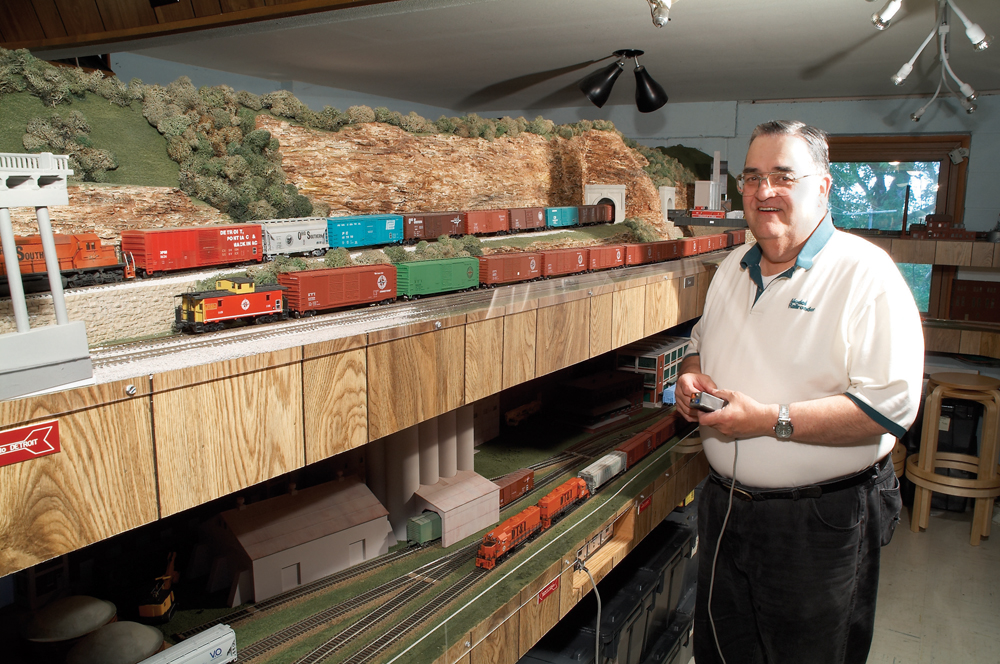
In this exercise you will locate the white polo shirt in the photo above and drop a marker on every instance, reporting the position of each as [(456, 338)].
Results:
[(840, 321)]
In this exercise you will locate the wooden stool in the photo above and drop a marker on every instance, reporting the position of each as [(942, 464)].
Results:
[(920, 467), (898, 458)]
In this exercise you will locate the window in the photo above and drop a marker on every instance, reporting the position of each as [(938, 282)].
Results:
[(918, 277), (883, 195)]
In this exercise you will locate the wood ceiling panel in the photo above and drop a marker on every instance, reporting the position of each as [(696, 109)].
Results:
[(206, 7), (80, 17), (178, 11), (19, 22), (48, 14), (240, 5), (126, 14)]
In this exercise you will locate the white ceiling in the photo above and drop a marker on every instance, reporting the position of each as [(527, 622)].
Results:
[(526, 54)]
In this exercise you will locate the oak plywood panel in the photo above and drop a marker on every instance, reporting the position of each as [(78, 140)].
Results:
[(996, 255), (413, 379), (628, 317), (982, 254), (662, 305), (519, 331), (970, 341), (883, 243), (913, 251), (569, 592), (459, 653), (689, 296), (81, 16), (538, 617), (989, 345), (239, 5), (601, 321), (563, 336), (225, 426), (483, 359), (953, 253), (125, 14), (942, 340), (496, 638), (178, 11), (100, 483), (336, 400), (206, 7)]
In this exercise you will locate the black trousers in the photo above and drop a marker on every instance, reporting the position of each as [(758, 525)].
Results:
[(795, 580)]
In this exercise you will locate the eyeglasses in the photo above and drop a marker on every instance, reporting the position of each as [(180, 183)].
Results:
[(781, 182)]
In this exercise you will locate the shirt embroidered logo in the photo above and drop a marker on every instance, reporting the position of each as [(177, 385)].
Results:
[(800, 304)]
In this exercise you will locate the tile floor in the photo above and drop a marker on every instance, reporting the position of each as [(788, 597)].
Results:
[(939, 597)]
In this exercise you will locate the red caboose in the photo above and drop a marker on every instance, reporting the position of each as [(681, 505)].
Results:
[(509, 268), (636, 448), (605, 258), (563, 261), (168, 249), (502, 540), (514, 485), (483, 222), (560, 499)]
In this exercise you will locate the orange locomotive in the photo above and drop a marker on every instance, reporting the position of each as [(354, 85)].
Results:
[(560, 499), (506, 537), (83, 261)]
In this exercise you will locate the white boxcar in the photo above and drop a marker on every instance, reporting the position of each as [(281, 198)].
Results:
[(216, 645), (288, 237), (598, 473)]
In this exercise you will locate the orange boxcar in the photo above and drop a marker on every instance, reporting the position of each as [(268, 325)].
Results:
[(514, 485), (664, 430), (563, 261), (509, 268), (636, 448), (482, 222), (526, 218), (502, 540), (605, 258), (640, 253)]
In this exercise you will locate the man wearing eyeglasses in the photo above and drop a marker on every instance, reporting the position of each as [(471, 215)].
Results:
[(812, 337)]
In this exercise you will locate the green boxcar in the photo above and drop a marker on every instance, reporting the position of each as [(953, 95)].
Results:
[(437, 276), (424, 528)]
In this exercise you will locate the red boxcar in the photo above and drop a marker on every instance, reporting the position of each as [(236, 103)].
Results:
[(737, 236), (514, 485), (561, 499), (310, 291), (664, 430), (527, 218), (637, 447), (604, 258), (168, 249), (639, 254), (509, 268), (596, 214), (506, 537), (688, 246), (563, 261), (713, 242), (666, 250), (483, 222), (432, 225)]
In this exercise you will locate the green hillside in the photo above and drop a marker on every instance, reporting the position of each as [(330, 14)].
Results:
[(140, 149)]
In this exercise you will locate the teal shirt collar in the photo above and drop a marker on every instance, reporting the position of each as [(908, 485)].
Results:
[(820, 236)]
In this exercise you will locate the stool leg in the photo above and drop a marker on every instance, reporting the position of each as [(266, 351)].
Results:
[(925, 460), (988, 451)]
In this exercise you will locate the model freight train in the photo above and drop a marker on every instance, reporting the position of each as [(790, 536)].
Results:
[(308, 292), (85, 261), (533, 521)]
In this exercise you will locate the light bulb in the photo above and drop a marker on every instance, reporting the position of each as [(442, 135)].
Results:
[(915, 116), (969, 107), (968, 92), (903, 72), (660, 11), (881, 18)]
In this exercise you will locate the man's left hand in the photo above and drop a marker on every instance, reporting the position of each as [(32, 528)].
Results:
[(742, 418)]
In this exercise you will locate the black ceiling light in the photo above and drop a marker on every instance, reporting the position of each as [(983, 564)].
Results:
[(649, 95)]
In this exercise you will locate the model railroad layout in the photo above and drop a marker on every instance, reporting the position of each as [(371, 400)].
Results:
[(392, 597)]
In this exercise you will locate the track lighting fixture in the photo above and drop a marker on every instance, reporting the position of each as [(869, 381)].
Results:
[(649, 95), (660, 11), (980, 41), (882, 17)]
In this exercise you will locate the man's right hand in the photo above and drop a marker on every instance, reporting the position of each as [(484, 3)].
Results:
[(689, 382)]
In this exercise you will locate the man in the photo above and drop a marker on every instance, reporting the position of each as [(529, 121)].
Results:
[(813, 338)]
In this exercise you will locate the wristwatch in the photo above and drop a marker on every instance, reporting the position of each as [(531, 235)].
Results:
[(783, 429)]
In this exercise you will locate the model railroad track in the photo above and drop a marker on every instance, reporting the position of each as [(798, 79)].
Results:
[(400, 629), (404, 589), (302, 591)]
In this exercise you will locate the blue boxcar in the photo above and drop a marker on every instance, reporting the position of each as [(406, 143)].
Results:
[(365, 230), (562, 216)]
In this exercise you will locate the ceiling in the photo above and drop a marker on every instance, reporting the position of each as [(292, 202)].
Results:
[(497, 55)]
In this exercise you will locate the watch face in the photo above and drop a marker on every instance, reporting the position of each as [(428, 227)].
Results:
[(783, 430)]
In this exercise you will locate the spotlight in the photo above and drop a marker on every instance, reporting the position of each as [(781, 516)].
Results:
[(904, 71), (980, 40), (660, 11), (969, 107), (882, 17), (649, 95)]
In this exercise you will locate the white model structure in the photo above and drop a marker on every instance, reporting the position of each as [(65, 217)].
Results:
[(216, 645), (668, 200), (33, 360), (606, 193)]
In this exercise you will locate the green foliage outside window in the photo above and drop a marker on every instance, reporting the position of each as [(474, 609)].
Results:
[(918, 277), (873, 194)]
